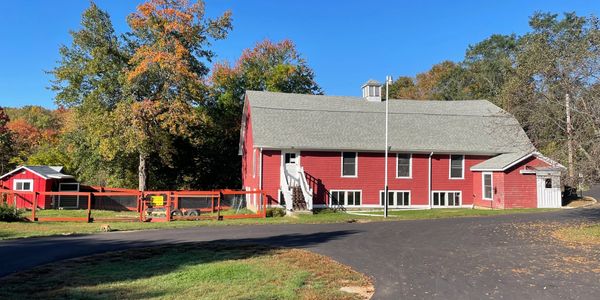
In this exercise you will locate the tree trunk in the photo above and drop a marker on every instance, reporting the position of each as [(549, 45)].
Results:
[(142, 173), (570, 140)]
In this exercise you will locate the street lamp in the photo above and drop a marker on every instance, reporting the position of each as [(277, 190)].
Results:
[(388, 80)]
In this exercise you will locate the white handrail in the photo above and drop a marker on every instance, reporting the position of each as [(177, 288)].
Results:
[(285, 189), (306, 190), (293, 175)]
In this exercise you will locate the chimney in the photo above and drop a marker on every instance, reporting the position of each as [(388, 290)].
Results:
[(371, 91)]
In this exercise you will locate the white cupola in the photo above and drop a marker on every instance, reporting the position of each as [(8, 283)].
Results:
[(371, 90)]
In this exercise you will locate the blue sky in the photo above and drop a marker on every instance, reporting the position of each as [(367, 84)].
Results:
[(345, 42)]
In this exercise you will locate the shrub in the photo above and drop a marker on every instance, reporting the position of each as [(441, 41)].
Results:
[(327, 210), (275, 212), (10, 213)]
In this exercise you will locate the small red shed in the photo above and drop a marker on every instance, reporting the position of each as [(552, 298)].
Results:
[(40, 179)]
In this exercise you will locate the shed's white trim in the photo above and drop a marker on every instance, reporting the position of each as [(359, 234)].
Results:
[(30, 181), (21, 168)]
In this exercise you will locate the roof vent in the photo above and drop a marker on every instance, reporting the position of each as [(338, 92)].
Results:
[(371, 90)]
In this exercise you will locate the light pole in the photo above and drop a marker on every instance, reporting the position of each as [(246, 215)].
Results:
[(388, 80)]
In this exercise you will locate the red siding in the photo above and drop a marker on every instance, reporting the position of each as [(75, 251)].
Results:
[(39, 185), (511, 188), (497, 190), (440, 173), (271, 160), (323, 170), (520, 189), (249, 180)]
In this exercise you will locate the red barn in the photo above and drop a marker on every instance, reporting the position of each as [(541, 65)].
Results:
[(309, 151), (40, 179)]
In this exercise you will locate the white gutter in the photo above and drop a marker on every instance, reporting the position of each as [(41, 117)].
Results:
[(260, 169), (429, 181)]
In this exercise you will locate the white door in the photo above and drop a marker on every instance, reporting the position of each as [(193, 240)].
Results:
[(291, 164), (548, 191)]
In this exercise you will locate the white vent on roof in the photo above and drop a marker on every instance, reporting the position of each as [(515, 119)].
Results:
[(371, 91), (56, 168)]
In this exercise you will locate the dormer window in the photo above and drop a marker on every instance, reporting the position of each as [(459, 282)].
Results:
[(374, 91), (371, 91)]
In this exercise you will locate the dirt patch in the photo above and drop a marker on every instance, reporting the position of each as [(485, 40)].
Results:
[(365, 292), (581, 202)]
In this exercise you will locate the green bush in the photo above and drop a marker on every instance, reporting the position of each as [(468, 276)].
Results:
[(327, 210), (10, 213), (275, 212)]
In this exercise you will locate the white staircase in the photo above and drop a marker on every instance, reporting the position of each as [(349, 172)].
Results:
[(292, 176)]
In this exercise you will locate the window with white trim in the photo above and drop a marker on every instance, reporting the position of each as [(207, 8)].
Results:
[(446, 198), (374, 91), (349, 164), (403, 165), (487, 186), (25, 185), (346, 198), (290, 158), (396, 198), (457, 164)]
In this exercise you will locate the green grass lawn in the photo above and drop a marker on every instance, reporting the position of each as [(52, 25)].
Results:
[(580, 233), (82, 213), (30, 229), (190, 271)]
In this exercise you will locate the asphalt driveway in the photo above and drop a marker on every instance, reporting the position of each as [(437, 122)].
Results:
[(500, 257)]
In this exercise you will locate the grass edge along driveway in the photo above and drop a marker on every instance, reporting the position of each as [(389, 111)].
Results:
[(192, 271), (12, 230)]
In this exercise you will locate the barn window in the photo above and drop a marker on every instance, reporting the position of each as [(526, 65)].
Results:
[(548, 183), (346, 198), (446, 198), (25, 185), (349, 164), (396, 198), (487, 186), (403, 169), (457, 163)]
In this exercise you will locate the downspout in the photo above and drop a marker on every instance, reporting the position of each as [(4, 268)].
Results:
[(260, 173), (429, 182), (260, 168)]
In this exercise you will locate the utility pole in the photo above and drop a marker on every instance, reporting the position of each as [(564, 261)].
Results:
[(569, 139), (388, 79)]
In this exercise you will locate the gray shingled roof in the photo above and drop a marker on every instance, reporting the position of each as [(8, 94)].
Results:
[(503, 161), (44, 171), (371, 82), (281, 120), (499, 162)]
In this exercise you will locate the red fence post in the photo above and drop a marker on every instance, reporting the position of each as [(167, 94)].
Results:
[(89, 208), (141, 205), (219, 207), (264, 208), (168, 208), (35, 200)]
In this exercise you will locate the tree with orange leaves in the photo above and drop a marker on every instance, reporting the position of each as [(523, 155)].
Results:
[(165, 78)]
